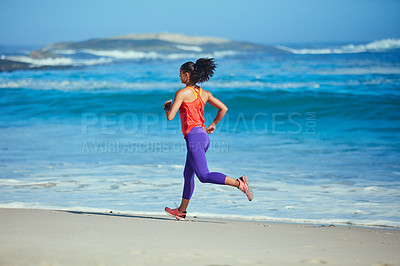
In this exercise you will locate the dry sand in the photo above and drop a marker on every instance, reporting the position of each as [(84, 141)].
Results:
[(45, 237)]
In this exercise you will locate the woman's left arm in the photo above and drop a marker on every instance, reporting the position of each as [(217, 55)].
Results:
[(222, 109)]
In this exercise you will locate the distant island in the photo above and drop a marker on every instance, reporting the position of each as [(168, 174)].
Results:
[(159, 43)]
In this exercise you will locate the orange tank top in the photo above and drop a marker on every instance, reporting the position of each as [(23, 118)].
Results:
[(192, 113)]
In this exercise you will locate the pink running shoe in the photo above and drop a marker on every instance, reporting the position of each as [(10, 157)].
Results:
[(176, 213), (245, 188)]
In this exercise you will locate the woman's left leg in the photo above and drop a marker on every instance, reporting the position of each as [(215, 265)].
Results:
[(197, 144)]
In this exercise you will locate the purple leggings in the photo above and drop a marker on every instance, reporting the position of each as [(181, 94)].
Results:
[(197, 143)]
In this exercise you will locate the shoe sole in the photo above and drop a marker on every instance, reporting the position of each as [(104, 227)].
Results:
[(176, 217), (249, 190)]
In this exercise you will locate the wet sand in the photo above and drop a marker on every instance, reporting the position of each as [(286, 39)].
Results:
[(46, 237)]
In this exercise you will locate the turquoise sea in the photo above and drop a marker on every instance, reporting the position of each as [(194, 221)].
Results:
[(316, 130)]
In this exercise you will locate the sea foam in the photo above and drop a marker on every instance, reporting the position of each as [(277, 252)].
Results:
[(375, 46), (87, 85), (120, 54), (60, 61), (344, 172), (190, 48), (109, 56)]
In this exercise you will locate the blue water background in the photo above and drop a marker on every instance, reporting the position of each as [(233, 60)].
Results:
[(317, 134)]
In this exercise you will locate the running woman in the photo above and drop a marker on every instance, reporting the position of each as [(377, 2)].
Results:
[(190, 102)]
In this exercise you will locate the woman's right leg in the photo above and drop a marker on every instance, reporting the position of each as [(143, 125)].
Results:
[(188, 185), (197, 145), (231, 182)]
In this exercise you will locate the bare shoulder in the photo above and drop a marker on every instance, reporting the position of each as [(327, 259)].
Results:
[(206, 94), (182, 92), (214, 101), (206, 91)]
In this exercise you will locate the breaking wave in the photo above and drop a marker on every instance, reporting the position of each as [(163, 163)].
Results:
[(375, 46), (340, 87), (59, 61), (120, 54), (73, 57)]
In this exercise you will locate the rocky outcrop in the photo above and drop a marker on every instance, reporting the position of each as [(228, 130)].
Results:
[(10, 65), (40, 54), (162, 43)]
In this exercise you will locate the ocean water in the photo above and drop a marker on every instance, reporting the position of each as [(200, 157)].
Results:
[(316, 130)]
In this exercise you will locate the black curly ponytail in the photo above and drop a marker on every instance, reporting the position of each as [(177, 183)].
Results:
[(200, 71)]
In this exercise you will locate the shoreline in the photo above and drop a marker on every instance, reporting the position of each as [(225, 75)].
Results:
[(55, 237), (7, 65), (211, 216)]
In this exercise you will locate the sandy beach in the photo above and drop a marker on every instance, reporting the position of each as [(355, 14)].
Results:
[(53, 237)]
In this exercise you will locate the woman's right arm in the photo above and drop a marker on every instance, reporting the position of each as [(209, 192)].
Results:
[(222, 109), (170, 111)]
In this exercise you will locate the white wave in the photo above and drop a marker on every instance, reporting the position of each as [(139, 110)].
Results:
[(189, 48), (32, 184), (77, 85), (44, 61), (360, 71), (69, 51), (375, 46), (108, 56), (120, 54), (322, 222), (385, 44), (39, 206), (70, 85), (25, 205), (8, 182), (260, 84), (61, 61), (224, 53), (173, 37)]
